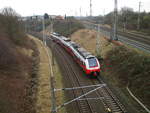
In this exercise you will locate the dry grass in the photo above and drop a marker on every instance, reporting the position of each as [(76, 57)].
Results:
[(25, 51), (47, 30), (122, 65), (58, 83), (87, 39), (43, 96), (60, 98), (43, 93), (15, 70)]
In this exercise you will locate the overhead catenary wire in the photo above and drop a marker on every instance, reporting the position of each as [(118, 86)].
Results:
[(79, 97), (79, 87)]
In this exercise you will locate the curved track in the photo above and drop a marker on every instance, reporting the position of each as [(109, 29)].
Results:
[(74, 77), (88, 106), (84, 106)]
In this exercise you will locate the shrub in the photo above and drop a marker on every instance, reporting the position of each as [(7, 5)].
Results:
[(11, 26), (132, 68), (67, 27)]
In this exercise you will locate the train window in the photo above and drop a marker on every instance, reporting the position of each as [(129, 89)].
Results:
[(92, 62)]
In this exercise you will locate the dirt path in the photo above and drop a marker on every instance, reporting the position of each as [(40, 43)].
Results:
[(43, 93)]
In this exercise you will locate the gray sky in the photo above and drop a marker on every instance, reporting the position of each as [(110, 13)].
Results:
[(69, 7)]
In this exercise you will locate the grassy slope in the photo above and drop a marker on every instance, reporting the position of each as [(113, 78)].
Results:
[(17, 60), (131, 66), (43, 88), (44, 104), (15, 69)]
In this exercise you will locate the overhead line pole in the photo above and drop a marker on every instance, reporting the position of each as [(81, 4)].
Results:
[(90, 7), (43, 28), (98, 41), (51, 27), (115, 21), (44, 41), (138, 26), (80, 13)]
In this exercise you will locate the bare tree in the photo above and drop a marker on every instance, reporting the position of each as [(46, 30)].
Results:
[(9, 12), (12, 25)]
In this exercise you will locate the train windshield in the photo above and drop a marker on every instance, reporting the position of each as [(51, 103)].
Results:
[(92, 62)]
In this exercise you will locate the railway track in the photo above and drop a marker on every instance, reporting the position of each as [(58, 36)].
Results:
[(75, 105), (137, 40), (84, 106), (110, 101), (72, 74), (135, 37)]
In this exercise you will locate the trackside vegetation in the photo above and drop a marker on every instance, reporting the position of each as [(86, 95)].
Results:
[(18, 62), (132, 70), (127, 20), (12, 26), (122, 67), (67, 26)]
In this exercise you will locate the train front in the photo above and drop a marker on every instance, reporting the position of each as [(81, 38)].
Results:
[(92, 67)]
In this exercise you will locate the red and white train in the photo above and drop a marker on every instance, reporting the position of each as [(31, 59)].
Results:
[(86, 60)]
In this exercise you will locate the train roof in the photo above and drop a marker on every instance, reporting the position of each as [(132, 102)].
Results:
[(76, 47), (54, 33), (81, 51), (84, 53), (65, 39)]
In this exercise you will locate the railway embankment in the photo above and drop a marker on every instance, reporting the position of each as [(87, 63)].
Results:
[(17, 75), (48, 74), (42, 104), (122, 67), (18, 62)]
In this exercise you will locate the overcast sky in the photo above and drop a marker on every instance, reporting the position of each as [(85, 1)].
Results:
[(69, 7)]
